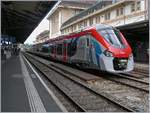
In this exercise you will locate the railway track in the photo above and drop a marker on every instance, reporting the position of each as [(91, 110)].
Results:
[(141, 69), (137, 75), (126, 95), (119, 78), (145, 72), (129, 81), (81, 95)]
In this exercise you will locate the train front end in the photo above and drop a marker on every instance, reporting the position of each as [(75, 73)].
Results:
[(117, 55)]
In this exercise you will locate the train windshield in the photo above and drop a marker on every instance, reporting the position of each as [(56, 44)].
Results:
[(113, 37)]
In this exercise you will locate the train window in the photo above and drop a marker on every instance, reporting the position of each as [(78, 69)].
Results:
[(59, 49), (45, 48), (112, 36), (88, 42), (52, 49)]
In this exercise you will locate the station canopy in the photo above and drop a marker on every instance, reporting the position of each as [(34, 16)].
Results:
[(20, 18)]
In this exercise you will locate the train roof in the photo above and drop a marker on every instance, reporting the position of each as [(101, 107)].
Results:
[(96, 26), (101, 26)]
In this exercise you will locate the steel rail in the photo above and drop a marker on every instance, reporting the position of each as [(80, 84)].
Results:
[(83, 85), (115, 80), (80, 108), (132, 75)]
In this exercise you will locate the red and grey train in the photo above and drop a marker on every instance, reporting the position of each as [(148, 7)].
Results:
[(99, 47)]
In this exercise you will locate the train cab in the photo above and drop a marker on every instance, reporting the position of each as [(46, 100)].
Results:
[(117, 54)]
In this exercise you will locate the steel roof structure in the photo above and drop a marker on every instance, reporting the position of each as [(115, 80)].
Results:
[(19, 18)]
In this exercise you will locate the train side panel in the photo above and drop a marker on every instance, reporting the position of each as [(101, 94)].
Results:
[(95, 48)]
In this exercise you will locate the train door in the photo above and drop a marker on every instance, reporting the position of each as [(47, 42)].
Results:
[(84, 51), (88, 48), (55, 52), (93, 52), (64, 51), (52, 51), (82, 56)]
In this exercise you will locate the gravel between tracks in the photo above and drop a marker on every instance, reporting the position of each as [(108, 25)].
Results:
[(133, 98), (90, 101)]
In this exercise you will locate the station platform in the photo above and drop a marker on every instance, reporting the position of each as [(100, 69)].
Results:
[(22, 90)]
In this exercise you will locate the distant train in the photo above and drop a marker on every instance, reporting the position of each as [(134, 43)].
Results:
[(100, 47)]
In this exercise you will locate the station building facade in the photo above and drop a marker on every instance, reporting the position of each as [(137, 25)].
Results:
[(63, 11), (42, 37), (120, 13)]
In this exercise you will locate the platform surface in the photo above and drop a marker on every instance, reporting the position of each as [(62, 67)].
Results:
[(21, 89)]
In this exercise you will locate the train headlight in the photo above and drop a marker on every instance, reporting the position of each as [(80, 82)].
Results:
[(108, 53)]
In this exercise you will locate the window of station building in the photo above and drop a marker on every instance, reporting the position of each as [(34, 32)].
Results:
[(132, 7), (85, 23), (77, 11), (59, 49), (67, 30), (120, 11), (107, 16), (74, 27), (80, 25), (91, 21), (71, 28), (98, 19), (117, 11), (138, 5)]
